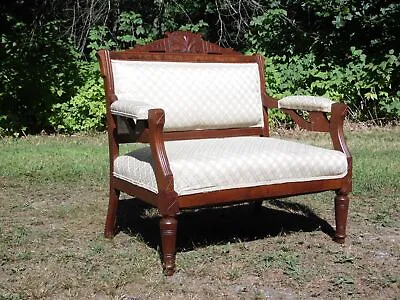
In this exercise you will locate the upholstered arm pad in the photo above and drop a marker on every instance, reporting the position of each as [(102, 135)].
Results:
[(308, 103), (131, 109)]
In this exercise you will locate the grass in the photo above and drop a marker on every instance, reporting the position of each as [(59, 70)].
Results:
[(56, 159), (53, 202)]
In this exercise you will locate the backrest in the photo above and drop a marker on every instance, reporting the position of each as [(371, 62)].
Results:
[(199, 85)]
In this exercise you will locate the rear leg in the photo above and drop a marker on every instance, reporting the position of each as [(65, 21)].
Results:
[(109, 230)]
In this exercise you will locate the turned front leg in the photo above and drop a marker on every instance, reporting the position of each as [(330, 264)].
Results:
[(341, 211), (168, 228)]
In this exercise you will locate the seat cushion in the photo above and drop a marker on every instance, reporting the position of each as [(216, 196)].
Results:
[(225, 163)]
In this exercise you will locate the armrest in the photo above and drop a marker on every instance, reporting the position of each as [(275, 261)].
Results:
[(308, 103), (131, 109), (167, 196), (132, 127)]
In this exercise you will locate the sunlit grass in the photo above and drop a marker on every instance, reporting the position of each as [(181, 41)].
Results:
[(41, 159)]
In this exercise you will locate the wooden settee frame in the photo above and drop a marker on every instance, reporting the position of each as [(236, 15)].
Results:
[(189, 47)]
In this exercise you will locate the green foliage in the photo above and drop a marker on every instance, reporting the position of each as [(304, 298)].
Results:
[(368, 86), (97, 39), (130, 31), (325, 28), (307, 44), (48, 80), (86, 110), (199, 27), (288, 75), (267, 30), (35, 72)]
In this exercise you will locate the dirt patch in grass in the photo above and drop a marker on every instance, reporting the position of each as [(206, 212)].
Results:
[(52, 248)]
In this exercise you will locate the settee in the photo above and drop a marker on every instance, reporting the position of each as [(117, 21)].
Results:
[(200, 113)]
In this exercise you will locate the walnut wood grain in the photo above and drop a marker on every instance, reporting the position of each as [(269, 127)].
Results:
[(178, 57), (259, 192), (143, 135)]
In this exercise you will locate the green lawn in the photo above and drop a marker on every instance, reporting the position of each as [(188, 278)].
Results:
[(53, 202)]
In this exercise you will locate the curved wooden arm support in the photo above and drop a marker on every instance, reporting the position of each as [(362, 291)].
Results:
[(112, 132), (268, 101), (168, 204), (339, 113), (318, 120)]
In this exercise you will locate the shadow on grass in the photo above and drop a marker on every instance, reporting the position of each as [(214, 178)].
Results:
[(219, 225)]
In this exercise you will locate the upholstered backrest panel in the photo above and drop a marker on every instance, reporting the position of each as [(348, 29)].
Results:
[(193, 95)]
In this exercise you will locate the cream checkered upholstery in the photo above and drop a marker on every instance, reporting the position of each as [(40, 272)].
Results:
[(225, 163), (309, 103), (132, 109), (193, 95)]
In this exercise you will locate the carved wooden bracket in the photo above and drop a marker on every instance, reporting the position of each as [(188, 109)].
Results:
[(318, 120), (183, 42)]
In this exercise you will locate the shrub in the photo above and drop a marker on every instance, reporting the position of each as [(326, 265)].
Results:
[(36, 71), (369, 87), (86, 110)]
